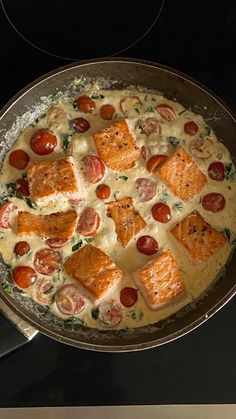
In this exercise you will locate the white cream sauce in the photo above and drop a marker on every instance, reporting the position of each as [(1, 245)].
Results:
[(196, 277)]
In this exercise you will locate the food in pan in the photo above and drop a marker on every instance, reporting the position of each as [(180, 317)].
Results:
[(118, 208)]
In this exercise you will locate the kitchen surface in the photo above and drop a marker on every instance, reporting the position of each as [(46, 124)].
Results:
[(197, 38)]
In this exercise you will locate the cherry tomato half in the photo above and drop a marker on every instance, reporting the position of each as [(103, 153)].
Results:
[(94, 168), (103, 191), (24, 276), (43, 142), (216, 171), (161, 212), (89, 222), (23, 188), (191, 128), (213, 202), (85, 104), (147, 245), (107, 111), (56, 243), (19, 159), (81, 125), (128, 296), (47, 261), (5, 213), (21, 248), (69, 300)]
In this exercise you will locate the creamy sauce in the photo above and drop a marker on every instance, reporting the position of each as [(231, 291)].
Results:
[(196, 277)]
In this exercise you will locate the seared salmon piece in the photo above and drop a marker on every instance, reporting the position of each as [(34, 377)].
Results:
[(181, 174), (159, 281), (128, 222), (116, 146), (198, 237), (94, 271), (54, 179), (60, 225)]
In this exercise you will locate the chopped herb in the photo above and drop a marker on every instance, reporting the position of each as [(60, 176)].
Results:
[(7, 287), (11, 189), (56, 278), (153, 99), (29, 202), (207, 130), (149, 109), (181, 113), (74, 321), (32, 125), (66, 142), (179, 205), (55, 97), (230, 172), (137, 110), (115, 197), (230, 236), (2, 235), (24, 175), (135, 314), (7, 266), (173, 141), (11, 192), (97, 96), (42, 116), (49, 290), (219, 156), (123, 177), (88, 240), (145, 97), (95, 313), (77, 245)]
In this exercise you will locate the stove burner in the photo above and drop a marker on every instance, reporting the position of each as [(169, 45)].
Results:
[(74, 30)]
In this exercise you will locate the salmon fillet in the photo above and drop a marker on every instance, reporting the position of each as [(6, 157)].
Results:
[(116, 146), (54, 179), (181, 174), (159, 281), (94, 271), (59, 225), (198, 237), (128, 222)]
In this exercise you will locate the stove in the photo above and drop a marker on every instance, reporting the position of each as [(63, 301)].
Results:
[(197, 38)]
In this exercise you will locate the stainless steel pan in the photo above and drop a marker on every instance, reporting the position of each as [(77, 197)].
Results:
[(124, 72)]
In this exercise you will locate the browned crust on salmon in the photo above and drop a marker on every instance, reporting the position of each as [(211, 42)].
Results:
[(54, 179), (159, 281), (128, 222), (198, 237), (181, 174), (116, 146), (94, 271), (59, 225)]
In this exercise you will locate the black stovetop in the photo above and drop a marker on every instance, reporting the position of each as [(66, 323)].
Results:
[(197, 38)]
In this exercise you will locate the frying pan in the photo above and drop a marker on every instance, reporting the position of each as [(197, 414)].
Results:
[(121, 73)]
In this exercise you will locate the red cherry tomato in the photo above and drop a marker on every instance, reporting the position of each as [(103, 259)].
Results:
[(56, 243), (213, 202), (19, 159), (85, 104), (5, 213), (161, 212), (81, 125), (89, 222), (47, 261), (103, 191), (107, 111), (128, 296), (21, 248), (110, 313), (42, 287), (23, 188), (143, 153), (69, 300), (191, 128), (166, 112), (43, 142), (147, 245), (24, 276), (216, 171), (94, 168), (154, 162)]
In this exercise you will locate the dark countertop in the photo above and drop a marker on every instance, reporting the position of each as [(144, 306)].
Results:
[(197, 38)]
